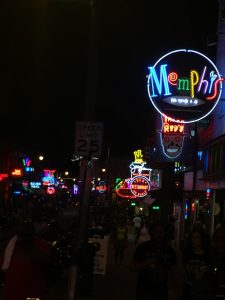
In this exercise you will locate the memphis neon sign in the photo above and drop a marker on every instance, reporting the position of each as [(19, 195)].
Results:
[(184, 85)]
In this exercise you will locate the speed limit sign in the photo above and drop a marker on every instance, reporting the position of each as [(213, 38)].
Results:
[(88, 139)]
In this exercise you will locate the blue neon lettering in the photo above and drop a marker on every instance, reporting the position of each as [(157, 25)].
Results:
[(159, 84), (213, 77)]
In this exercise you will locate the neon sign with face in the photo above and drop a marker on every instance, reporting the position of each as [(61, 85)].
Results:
[(172, 137), (184, 85)]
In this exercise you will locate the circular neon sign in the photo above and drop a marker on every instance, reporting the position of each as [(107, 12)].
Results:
[(139, 186), (184, 85)]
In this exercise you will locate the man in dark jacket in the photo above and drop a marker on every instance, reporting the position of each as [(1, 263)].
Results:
[(152, 260)]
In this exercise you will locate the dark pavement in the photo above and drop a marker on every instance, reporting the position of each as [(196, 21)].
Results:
[(118, 282)]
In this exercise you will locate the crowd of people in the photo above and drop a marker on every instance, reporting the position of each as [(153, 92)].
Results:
[(198, 266), (194, 272)]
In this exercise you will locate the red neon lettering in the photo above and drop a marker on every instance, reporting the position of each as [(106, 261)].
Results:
[(172, 78), (215, 90), (139, 187)]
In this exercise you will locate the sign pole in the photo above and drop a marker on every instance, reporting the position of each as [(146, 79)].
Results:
[(195, 169), (87, 146), (81, 243)]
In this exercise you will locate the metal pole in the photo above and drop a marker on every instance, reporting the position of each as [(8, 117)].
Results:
[(83, 230), (195, 157), (212, 214), (86, 163), (92, 64), (82, 239)]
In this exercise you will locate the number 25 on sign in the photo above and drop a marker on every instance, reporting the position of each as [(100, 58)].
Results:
[(88, 139)]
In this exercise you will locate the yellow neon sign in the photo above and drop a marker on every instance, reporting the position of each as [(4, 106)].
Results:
[(138, 156)]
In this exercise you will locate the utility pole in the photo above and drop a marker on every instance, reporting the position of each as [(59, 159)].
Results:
[(86, 167)]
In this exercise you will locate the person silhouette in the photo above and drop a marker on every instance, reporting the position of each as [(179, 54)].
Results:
[(152, 260), (120, 239), (24, 263)]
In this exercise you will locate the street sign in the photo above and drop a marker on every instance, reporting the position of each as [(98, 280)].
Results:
[(88, 139)]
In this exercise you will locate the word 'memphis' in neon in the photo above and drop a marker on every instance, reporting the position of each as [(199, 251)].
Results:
[(193, 83)]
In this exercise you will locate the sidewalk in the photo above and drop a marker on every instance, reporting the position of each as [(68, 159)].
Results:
[(118, 282)]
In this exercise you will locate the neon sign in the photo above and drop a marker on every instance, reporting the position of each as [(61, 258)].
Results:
[(29, 169), (138, 156), (170, 127), (138, 168), (50, 190), (26, 162), (123, 189), (155, 179), (186, 210), (101, 188), (141, 181), (172, 137), (184, 85), (35, 184), (17, 172), (75, 189), (208, 194), (140, 186), (140, 176), (3, 175), (48, 178)]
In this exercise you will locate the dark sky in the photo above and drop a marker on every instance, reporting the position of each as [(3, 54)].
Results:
[(44, 67)]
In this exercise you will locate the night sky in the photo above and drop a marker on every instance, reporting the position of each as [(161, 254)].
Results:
[(44, 67)]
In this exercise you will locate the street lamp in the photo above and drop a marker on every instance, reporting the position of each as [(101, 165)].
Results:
[(41, 157)]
